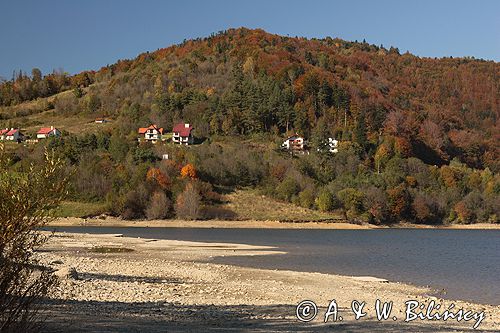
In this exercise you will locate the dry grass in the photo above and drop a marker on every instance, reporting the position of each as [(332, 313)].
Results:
[(80, 209), (40, 117), (248, 204), (73, 124)]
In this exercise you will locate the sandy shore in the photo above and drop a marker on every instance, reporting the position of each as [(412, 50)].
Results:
[(248, 224), (165, 286)]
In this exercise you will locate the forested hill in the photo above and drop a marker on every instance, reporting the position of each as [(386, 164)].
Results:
[(242, 81)]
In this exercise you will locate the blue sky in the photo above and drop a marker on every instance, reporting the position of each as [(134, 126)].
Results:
[(79, 35)]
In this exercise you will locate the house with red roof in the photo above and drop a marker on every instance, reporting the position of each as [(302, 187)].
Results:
[(153, 133), (100, 120), (13, 134), (294, 143), (183, 134), (2, 133), (46, 132)]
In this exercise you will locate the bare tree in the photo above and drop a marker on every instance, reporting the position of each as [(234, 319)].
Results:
[(159, 206), (188, 203), (27, 200)]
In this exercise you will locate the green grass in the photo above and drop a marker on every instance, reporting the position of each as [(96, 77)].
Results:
[(80, 209)]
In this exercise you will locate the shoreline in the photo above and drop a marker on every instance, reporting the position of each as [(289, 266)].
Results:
[(174, 284), (251, 224)]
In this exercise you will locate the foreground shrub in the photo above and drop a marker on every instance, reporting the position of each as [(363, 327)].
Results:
[(27, 199)]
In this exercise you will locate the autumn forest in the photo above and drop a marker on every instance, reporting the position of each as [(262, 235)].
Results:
[(418, 137)]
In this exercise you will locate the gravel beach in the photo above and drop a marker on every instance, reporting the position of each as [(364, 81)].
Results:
[(110, 283)]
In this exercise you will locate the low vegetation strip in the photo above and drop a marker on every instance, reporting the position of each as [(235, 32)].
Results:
[(80, 209), (331, 220)]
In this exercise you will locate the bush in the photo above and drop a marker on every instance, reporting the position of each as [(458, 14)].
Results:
[(135, 203), (219, 213), (471, 208), (287, 189), (376, 203), (187, 205), (306, 198), (352, 199), (22, 282), (325, 201)]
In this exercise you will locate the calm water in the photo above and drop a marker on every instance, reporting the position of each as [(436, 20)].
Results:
[(465, 263)]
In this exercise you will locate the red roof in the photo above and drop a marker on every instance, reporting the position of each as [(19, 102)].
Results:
[(143, 130), (182, 129), (12, 131), (46, 130), (3, 131)]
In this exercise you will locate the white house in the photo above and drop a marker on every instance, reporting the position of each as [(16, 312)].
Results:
[(152, 133), (294, 142), (46, 132), (182, 134), (2, 133), (13, 134), (332, 145)]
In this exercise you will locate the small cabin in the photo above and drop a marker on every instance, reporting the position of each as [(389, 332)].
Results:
[(12, 134), (46, 132)]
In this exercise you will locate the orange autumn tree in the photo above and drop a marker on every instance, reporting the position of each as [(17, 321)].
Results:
[(188, 171), (156, 175), (399, 201), (402, 146)]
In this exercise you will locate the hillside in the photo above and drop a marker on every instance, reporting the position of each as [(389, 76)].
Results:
[(245, 81), (418, 136)]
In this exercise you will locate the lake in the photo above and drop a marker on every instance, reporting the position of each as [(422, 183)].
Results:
[(459, 264)]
